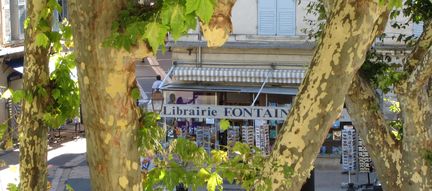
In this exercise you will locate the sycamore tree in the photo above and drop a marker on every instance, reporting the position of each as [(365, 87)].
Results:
[(110, 36), (349, 31), (400, 146), (41, 99), (106, 55)]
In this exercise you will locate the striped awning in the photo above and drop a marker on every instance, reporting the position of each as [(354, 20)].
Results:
[(238, 75)]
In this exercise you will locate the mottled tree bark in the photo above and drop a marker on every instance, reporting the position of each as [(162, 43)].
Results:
[(400, 165), (33, 131), (385, 151), (349, 33), (217, 31), (106, 78), (416, 109), (416, 112)]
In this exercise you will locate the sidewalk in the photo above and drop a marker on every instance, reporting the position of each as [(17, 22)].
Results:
[(67, 164)]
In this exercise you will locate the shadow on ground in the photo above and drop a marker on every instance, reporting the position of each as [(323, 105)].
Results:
[(10, 158)]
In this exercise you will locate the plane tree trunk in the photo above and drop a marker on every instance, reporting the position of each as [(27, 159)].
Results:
[(401, 164), (33, 132), (350, 30), (106, 79)]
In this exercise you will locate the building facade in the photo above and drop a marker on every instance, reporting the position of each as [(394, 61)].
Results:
[(11, 51), (261, 65), (13, 15)]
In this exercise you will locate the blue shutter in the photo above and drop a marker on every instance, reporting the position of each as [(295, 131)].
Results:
[(64, 9), (267, 17), (21, 17), (55, 21), (418, 29), (286, 17)]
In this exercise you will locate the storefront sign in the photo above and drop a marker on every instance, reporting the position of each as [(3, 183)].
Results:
[(224, 112)]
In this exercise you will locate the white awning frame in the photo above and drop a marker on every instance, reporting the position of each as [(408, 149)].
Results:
[(238, 75)]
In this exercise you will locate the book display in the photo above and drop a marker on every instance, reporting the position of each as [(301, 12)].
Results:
[(248, 135), (262, 138), (363, 157), (203, 137), (233, 135), (349, 149)]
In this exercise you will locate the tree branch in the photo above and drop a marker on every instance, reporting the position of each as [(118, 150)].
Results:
[(422, 73), (421, 48), (368, 119)]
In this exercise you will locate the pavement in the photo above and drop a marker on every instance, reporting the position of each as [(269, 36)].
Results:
[(67, 165)]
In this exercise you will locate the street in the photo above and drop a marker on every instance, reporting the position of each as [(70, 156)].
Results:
[(67, 165)]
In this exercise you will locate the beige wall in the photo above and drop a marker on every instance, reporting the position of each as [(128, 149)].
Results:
[(241, 57), (244, 17)]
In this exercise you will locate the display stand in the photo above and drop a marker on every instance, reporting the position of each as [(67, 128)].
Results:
[(262, 138), (248, 135), (349, 152)]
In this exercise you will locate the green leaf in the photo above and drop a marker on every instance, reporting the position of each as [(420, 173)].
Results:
[(173, 15), (203, 173), (219, 156), (205, 10), (190, 21), (42, 40), (69, 187), (53, 4), (224, 124), (135, 93), (214, 181), (45, 13), (26, 22), (3, 128), (56, 93), (13, 187), (192, 5), (229, 175), (44, 25), (155, 34), (18, 96)]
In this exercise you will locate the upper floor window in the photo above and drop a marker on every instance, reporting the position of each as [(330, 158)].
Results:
[(13, 16), (277, 17)]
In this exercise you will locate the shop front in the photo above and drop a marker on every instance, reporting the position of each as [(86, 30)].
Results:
[(255, 101), (197, 115)]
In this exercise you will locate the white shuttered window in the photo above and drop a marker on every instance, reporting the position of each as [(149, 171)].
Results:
[(277, 17)]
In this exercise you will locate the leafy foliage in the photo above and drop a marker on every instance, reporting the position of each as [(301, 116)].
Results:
[(3, 128), (152, 23), (62, 91), (182, 161), (224, 124), (13, 187), (379, 69)]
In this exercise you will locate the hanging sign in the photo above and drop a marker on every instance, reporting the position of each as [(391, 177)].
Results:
[(225, 112)]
